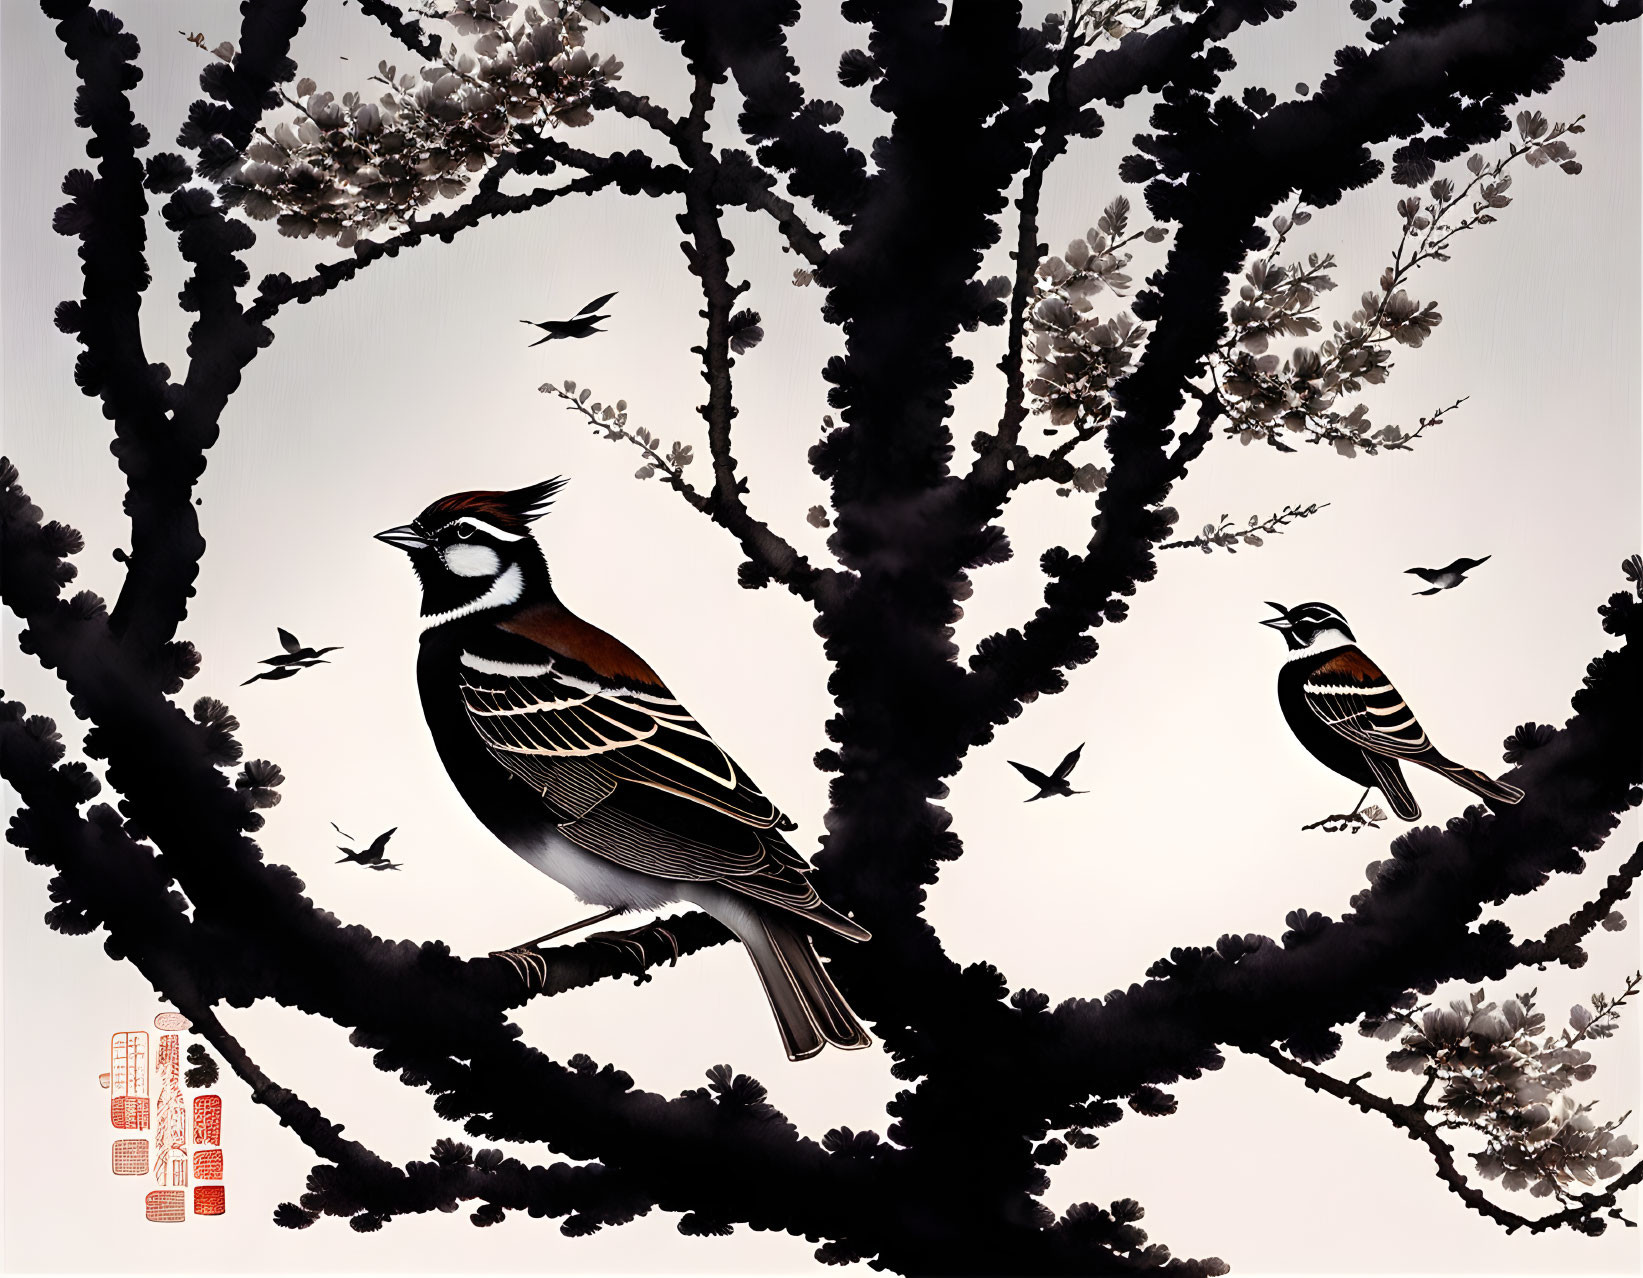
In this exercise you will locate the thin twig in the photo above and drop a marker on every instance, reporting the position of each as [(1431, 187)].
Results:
[(1225, 535), (1368, 818), (1634, 982), (1411, 1120), (770, 555), (277, 290), (1562, 943), (407, 31), (1403, 443), (1375, 332), (616, 429), (1052, 143)]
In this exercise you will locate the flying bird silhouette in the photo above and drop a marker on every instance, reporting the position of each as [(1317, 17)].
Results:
[(295, 653), (1446, 578), (373, 857), (1055, 784), (295, 658), (579, 325)]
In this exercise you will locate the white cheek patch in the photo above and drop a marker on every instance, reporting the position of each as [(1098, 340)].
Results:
[(472, 561)]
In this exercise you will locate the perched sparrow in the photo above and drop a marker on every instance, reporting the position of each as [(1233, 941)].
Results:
[(1348, 714), (579, 325), (574, 753), (1056, 784), (1446, 578)]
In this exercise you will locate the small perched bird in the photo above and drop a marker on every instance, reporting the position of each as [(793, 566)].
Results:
[(1054, 784), (295, 658), (1446, 578), (1351, 718), (374, 857), (573, 752), (579, 325)]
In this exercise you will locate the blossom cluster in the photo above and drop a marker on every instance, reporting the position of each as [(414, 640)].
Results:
[(346, 166), (1267, 398), (1079, 354), (1496, 1071)]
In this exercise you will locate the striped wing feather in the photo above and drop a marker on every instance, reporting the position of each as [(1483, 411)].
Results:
[(1355, 699), (632, 777), (1350, 694), (585, 739)]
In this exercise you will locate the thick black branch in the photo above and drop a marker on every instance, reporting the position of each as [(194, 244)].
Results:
[(162, 430), (104, 876), (247, 85), (749, 38), (1152, 60), (108, 214)]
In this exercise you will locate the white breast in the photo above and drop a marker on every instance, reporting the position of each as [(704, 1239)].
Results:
[(593, 879)]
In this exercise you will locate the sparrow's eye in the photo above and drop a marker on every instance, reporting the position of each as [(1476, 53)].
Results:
[(464, 531)]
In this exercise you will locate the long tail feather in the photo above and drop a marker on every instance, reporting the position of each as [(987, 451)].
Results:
[(810, 1011), (1477, 782)]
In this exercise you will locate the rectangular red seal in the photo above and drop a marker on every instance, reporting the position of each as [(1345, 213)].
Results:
[(165, 1206), (131, 1158), (128, 1112), (208, 1164), (209, 1200), (208, 1120)]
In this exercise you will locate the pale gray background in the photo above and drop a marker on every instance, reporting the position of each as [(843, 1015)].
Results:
[(415, 380)]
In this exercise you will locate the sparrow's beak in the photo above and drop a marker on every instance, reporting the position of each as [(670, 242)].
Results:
[(1278, 623), (406, 537)]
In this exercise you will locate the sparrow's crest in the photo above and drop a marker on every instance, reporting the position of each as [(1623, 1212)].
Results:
[(507, 512), (1303, 624), (473, 551)]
